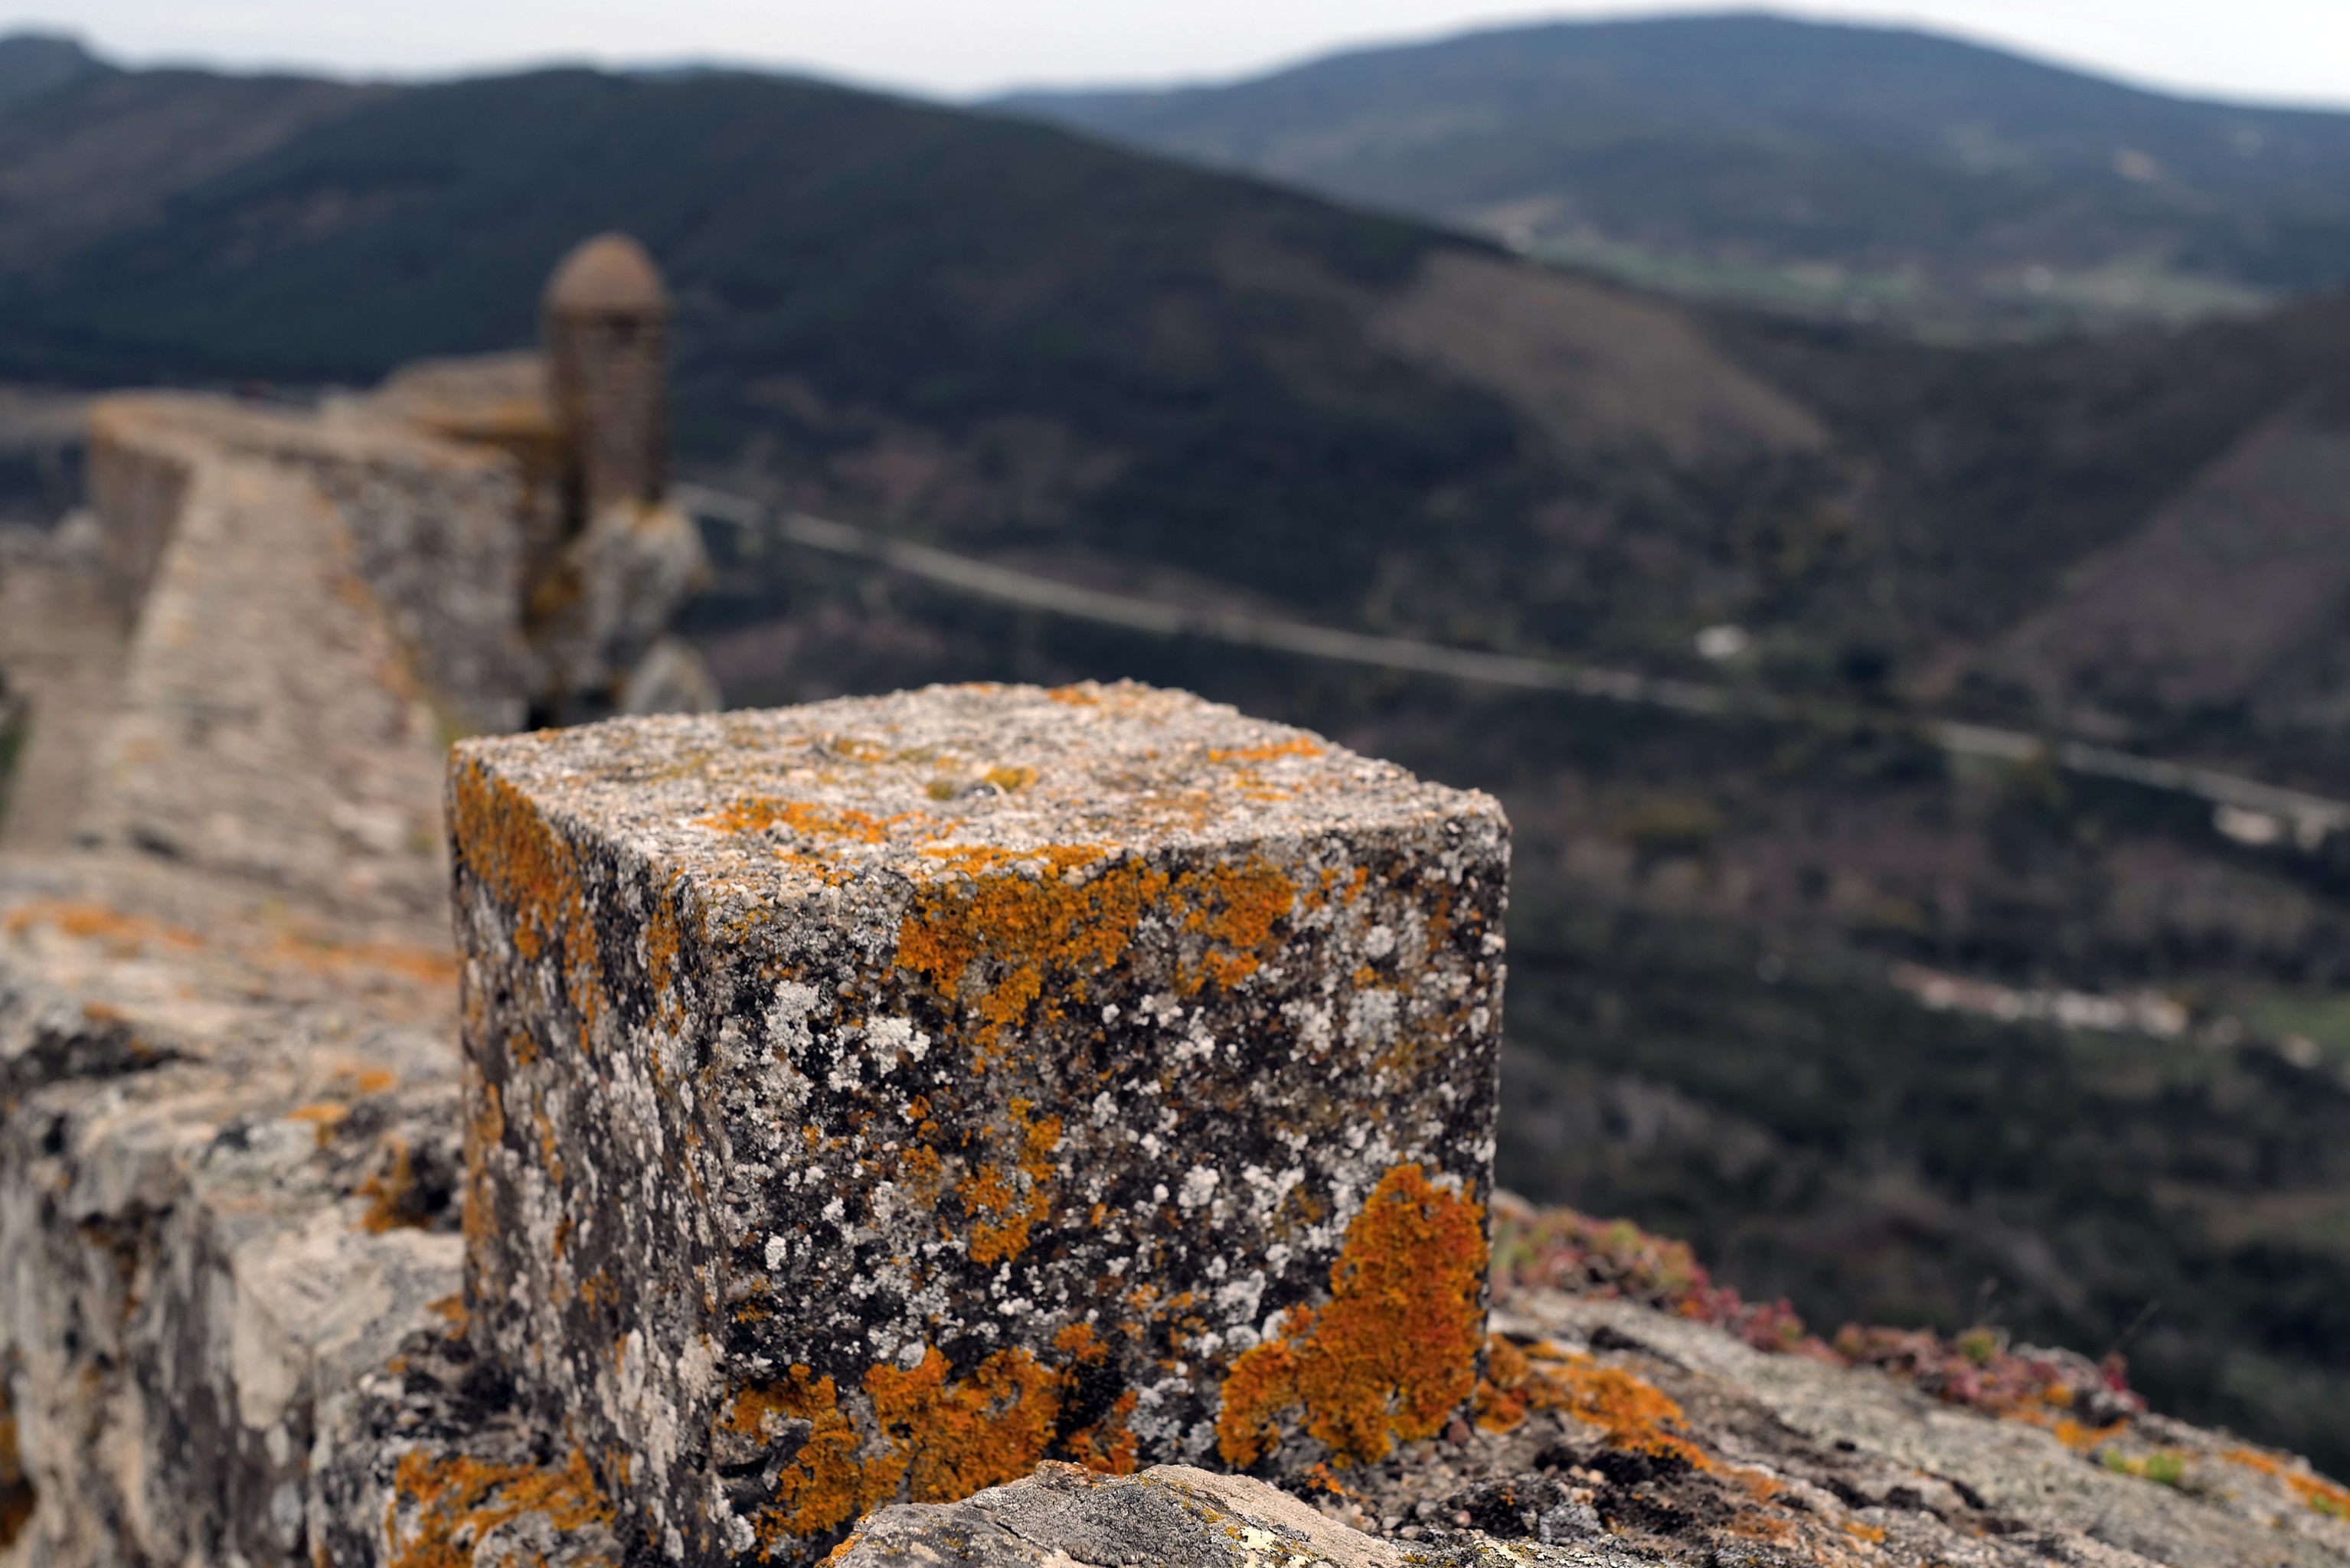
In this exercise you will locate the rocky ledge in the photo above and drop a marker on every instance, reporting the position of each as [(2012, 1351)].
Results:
[(1630, 1413)]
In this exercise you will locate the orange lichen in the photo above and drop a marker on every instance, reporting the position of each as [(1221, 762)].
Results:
[(1027, 937), (1004, 1201), (365, 1080), (826, 1485), (2081, 1438), (1395, 1351), (392, 1194), (924, 1171), (127, 934), (1008, 780), (321, 1117), (486, 1129), (664, 940), (427, 966), (1107, 1447), (1236, 908), (124, 933), (1036, 935), (457, 1501), (1078, 1343), (502, 838), (1635, 1415), (1348, 888), (756, 814), (2317, 1494), (1299, 747), (17, 1496), (1501, 1397), (933, 1438), (952, 1439)]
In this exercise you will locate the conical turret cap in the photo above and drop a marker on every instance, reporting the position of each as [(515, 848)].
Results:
[(608, 273)]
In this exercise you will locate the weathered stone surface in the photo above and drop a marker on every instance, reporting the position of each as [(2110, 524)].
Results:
[(600, 588), (15, 724), (1954, 1485), (1170, 1514), (61, 647), (1671, 1441), (428, 1461), (601, 613), (871, 1099), (498, 400), (228, 1172)]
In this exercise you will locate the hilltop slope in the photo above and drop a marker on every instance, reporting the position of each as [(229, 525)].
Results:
[(1864, 171)]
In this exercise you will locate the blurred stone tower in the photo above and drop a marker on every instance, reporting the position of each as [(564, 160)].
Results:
[(607, 333), (626, 560)]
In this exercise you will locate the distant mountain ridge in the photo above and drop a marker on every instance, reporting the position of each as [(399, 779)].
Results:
[(1865, 173), (33, 63)]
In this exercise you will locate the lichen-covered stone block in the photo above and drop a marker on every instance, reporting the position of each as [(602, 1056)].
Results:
[(871, 1099)]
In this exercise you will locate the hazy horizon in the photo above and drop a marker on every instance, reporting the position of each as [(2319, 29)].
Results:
[(2278, 53)]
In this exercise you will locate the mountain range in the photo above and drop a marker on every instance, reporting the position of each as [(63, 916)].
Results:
[(1846, 173), (1026, 344)]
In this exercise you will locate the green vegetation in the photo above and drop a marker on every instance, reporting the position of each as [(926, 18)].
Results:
[(2029, 303), (2163, 1467), (2322, 1018)]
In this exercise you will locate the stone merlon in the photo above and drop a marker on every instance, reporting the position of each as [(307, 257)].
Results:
[(869, 1100)]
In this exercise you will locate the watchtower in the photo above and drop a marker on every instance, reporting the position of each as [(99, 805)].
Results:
[(606, 325)]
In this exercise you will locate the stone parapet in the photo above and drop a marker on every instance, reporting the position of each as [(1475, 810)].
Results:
[(429, 524), (867, 1101)]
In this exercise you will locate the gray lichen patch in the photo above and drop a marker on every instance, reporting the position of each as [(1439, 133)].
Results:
[(871, 1099)]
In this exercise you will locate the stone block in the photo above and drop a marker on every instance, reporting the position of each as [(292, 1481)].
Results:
[(867, 1101)]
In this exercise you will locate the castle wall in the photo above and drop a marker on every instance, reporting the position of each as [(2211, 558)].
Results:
[(137, 487)]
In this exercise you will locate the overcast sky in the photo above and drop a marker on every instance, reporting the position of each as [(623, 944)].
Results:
[(2274, 50)]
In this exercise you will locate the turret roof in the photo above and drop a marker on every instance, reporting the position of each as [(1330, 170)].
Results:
[(608, 273)]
